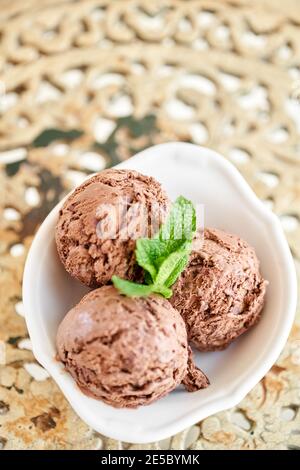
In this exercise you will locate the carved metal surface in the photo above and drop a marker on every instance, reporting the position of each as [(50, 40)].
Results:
[(84, 85)]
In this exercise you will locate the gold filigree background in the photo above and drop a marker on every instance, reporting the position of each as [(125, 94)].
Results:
[(85, 84)]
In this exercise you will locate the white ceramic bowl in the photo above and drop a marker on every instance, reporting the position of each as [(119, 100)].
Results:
[(205, 177)]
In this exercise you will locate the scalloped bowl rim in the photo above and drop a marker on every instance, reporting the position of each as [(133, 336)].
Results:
[(243, 385)]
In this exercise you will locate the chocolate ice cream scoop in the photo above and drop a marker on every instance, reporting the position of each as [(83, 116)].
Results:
[(100, 221), (221, 293), (126, 351)]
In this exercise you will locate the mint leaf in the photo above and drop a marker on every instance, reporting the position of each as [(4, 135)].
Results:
[(189, 220), (166, 255), (172, 267), (145, 256), (179, 227), (181, 221), (163, 290), (148, 278), (152, 251), (180, 265), (131, 289)]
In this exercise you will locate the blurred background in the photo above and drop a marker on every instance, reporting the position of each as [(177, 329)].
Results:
[(86, 84)]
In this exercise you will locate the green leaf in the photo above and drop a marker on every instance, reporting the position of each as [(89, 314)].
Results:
[(189, 221), (148, 278), (131, 289), (188, 217), (166, 255), (151, 251), (181, 222), (172, 267), (145, 256), (181, 264), (163, 290)]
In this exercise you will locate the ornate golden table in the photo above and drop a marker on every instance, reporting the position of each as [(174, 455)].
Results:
[(86, 84)]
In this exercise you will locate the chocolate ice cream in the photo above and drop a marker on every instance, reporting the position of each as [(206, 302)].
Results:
[(126, 351), (220, 294), (100, 221)]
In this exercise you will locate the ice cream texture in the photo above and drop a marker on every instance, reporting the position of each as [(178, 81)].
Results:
[(221, 293), (100, 221), (126, 351)]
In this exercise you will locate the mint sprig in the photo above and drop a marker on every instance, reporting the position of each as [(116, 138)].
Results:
[(166, 255)]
